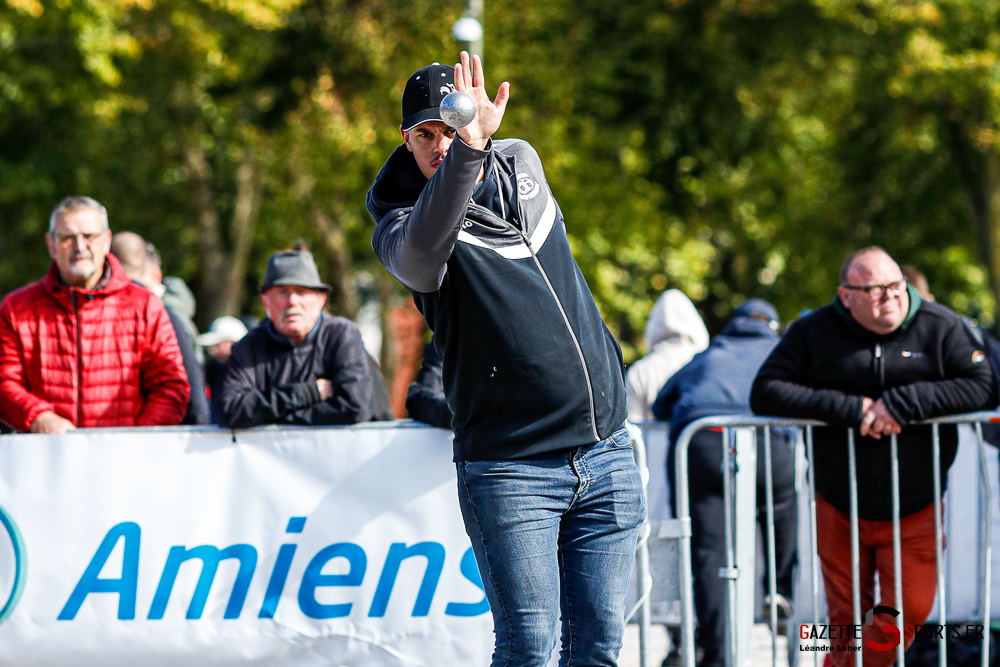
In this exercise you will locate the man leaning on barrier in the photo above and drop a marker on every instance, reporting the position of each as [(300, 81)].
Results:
[(549, 490), (300, 365), (85, 346), (877, 359)]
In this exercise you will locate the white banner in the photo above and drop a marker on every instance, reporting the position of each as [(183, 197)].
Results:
[(274, 547)]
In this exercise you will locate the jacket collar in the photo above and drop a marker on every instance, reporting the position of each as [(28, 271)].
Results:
[(845, 314), (400, 182), (273, 334), (749, 327), (109, 284)]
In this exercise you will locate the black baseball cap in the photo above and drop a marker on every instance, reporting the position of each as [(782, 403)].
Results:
[(423, 94)]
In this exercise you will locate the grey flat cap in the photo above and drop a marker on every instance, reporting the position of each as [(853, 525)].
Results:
[(292, 267)]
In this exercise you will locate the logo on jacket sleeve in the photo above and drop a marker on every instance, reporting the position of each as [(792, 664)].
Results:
[(978, 357), (527, 187)]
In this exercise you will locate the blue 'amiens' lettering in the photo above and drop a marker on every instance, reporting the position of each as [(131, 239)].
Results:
[(125, 587)]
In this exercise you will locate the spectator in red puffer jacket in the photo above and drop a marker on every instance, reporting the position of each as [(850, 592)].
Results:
[(85, 346)]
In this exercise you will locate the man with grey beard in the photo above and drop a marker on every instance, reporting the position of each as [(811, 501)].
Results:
[(85, 346), (301, 365)]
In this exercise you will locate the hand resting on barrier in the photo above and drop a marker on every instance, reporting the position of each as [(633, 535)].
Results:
[(876, 420), (50, 422)]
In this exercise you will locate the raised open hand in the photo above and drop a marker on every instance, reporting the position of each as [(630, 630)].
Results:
[(469, 79)]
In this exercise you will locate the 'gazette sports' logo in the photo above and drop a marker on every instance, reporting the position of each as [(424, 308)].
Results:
[(846, 637), (13, 565)]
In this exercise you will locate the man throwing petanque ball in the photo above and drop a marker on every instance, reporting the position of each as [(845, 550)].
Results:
[(549, 491)]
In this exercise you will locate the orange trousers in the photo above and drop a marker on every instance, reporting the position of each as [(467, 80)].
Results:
[(919, 561)]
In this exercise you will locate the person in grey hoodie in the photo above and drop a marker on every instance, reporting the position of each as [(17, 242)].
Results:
[(177, 297), (717, 382), (675, 332)]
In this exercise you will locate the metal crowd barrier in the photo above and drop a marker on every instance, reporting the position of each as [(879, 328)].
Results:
[(738, 433)]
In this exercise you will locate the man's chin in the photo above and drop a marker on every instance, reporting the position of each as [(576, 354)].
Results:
[(892, 322), (80, 271), (293, 326)]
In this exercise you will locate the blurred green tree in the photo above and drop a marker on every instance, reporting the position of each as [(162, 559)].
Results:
[(777, 140), (729, 148)]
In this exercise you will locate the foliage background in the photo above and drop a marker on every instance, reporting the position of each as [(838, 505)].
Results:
[(728, 148)]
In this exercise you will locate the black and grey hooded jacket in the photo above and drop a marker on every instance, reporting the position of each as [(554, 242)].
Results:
[(529, 366)]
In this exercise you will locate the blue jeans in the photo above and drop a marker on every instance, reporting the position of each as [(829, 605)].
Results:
[(555, 535)]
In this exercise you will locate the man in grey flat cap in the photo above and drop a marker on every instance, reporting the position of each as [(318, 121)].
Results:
[(300, 365)]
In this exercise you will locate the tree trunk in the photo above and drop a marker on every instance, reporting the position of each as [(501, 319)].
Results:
[(211, 249), (343, 300), (244, 219), (222, 266), (990, 224)]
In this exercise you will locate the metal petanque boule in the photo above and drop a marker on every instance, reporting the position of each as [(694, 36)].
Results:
[(458, 109)]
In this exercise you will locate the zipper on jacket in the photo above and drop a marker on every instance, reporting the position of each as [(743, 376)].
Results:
[(562, 311), (877, 462), (880, 366), (569, 328), (79, 361), (572, 334), (496, 174)]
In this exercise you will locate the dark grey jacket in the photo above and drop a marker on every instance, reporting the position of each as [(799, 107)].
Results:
[(197, 410), (529, 366), (270, 381)]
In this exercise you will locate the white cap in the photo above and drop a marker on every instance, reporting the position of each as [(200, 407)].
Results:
[(223, 328)]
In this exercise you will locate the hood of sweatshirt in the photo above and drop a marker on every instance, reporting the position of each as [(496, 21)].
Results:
[(398, 185), (177, 296), (674, 318)]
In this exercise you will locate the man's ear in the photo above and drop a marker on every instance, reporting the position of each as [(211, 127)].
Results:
[(845, 295), (406, 138)]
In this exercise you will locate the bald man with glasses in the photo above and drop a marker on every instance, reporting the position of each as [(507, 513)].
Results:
[(878, 359)]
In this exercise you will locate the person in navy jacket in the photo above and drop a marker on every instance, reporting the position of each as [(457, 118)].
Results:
[(717, 382)]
